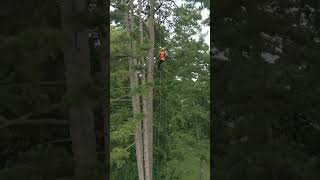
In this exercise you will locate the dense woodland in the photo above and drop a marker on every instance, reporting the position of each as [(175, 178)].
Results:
[(180, 146), (52, 89), (265, 74)]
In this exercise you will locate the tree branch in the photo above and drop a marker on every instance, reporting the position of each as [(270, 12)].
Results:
[(3, 119), (42, 83), (130, 146), (174, 3), (157, 8), (155, 11), (120, 56), (59, 141), (34, 121), (24, 118), (120, 98)]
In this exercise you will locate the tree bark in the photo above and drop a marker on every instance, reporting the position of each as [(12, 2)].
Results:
[(148, 100), (77, 72), (134, 83), (105, 76)]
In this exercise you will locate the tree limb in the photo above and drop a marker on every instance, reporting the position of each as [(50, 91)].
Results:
[(174, 3), (130, 145), (120, 99), (34, 121), (42, 83), (24, 118), (155, 11), (59, 141), (3, 119)]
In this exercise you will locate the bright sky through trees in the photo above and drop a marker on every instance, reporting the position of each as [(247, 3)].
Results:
[(205, 28)]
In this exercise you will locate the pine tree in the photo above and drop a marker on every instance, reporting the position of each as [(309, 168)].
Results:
[(178, 97), (260, 52)]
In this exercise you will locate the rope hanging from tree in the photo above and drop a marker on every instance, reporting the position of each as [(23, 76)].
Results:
[(162, 118)]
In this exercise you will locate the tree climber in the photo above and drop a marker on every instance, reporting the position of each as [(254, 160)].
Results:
[(162, 57)]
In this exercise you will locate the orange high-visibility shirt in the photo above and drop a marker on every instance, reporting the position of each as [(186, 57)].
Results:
[(162, 55)]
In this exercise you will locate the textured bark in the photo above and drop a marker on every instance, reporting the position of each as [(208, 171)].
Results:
[(144, 134), (105, 105), (145, 117), (136, 102), (134, 83), (140, 21), (105, 76), (139, 150), (148, 118), (77, 72)]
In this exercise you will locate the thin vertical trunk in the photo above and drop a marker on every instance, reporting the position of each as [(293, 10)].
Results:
[(139, 132), (148, 120), (140, 22), (77, 65), (134, 83), (145, 117)]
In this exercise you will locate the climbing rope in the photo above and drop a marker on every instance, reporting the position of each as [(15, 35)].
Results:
[(161, 156), (159, 125), (165, 123)]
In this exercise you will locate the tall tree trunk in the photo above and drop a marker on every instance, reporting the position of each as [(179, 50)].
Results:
[(148, 100), (78, 77), (139, 130), (105, 105), (140, 22), (134, 81), (145, 115), (105, 76)]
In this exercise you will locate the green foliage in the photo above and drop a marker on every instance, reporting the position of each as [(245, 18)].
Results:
[(262, 110), (126, 131), (32, 81), (181, 119), (119, 156)]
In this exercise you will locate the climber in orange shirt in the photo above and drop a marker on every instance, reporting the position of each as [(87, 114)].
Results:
[(162, 56)]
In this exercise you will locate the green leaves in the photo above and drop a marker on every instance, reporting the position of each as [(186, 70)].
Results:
[(181, 131), (124, 132), (262, 99), (119, 156)]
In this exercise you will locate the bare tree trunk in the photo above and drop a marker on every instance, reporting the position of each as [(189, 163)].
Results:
[(139, 149), (76, 58), (140, 22), (148, 120), (143, 138), (134, 83)]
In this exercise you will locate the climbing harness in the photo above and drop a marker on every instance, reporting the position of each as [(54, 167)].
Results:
[(162, 57), (162, 54)]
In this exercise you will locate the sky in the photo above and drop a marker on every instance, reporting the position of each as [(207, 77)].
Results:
[(206, 29)]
